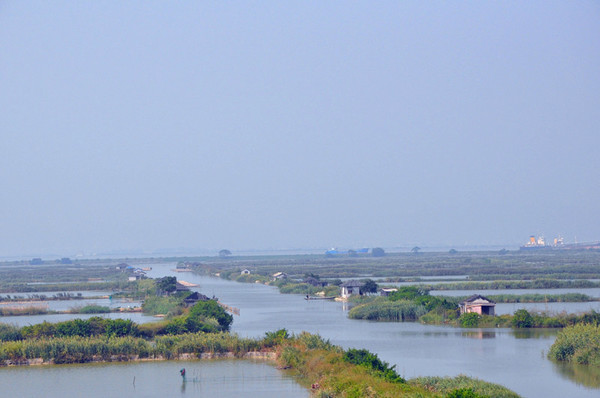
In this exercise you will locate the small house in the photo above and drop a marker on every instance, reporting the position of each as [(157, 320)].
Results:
[(478, 304), (279, 275), (315, 282), (179, 287), (194, 298), (136, 275), (122, 266), (385, 291), (350, 288), (245, 272)]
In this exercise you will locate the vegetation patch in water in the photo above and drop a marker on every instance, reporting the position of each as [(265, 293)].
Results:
[(579, 344), (462, 386), (91, 309)]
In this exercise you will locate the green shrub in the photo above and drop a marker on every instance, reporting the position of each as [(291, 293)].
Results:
[(371, 361), (384, 310), (9, 332), (121, 327), (212, 309), (461, 385), (407, 293), (292, 357), (272, 339), (75, 327), (469, 320), (162, 305), (464, 393), (522, 319), (579, 344), (92, 309)]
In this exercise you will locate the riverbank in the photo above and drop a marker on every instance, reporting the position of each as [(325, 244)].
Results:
[(411, 305), (43, 310), (324, 368), (253, 355)]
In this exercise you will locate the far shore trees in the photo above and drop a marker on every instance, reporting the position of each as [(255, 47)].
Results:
[(370, 286), (377, 252), (224, 253)]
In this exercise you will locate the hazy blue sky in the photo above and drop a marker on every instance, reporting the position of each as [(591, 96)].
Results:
[(307, 124)]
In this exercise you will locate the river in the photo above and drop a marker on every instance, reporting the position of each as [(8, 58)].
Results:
[(515, 359)]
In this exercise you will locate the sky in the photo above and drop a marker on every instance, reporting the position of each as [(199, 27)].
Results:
[(144, 126)]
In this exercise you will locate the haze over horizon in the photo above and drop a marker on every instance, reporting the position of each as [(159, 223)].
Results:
[(143, 126)]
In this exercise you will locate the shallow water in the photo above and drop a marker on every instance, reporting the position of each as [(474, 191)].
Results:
[(208, 378)]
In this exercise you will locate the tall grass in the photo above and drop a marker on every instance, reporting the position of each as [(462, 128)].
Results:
[(384, 310), (447, 385), (162, 305), (356, 373), (76, 349), (90, 309), (23, 310)]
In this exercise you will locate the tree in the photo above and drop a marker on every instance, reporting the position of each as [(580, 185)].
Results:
[(167, 284), (469, 320), (503, 252), (224, 253), (452, 251), (407, 293), (370, 286), (211, 309), (415, 249), (377, 252), (522, 319), (352, 253)]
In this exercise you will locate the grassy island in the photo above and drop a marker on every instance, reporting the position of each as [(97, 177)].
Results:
[(578, 344), (411, 303)]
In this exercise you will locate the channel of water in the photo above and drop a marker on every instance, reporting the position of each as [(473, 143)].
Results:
[(515, 359)]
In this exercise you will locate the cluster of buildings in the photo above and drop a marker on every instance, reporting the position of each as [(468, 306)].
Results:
[(134, 273), (475, 304)]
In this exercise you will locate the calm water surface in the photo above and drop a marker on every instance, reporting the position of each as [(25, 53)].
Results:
[(514, 359), (214, 378)]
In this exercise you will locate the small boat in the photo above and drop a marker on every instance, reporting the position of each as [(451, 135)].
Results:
[(319, 297)]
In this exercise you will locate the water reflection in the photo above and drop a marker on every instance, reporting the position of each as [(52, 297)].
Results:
[(479, 334), (585, 375), (534, 333)]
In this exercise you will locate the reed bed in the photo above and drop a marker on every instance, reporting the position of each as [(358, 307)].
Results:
[(385, 310)]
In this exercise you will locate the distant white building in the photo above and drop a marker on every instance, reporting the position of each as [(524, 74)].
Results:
[(245, 272)]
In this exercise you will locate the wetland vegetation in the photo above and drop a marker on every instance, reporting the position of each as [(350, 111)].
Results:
[(329, 370), (193, 331)]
